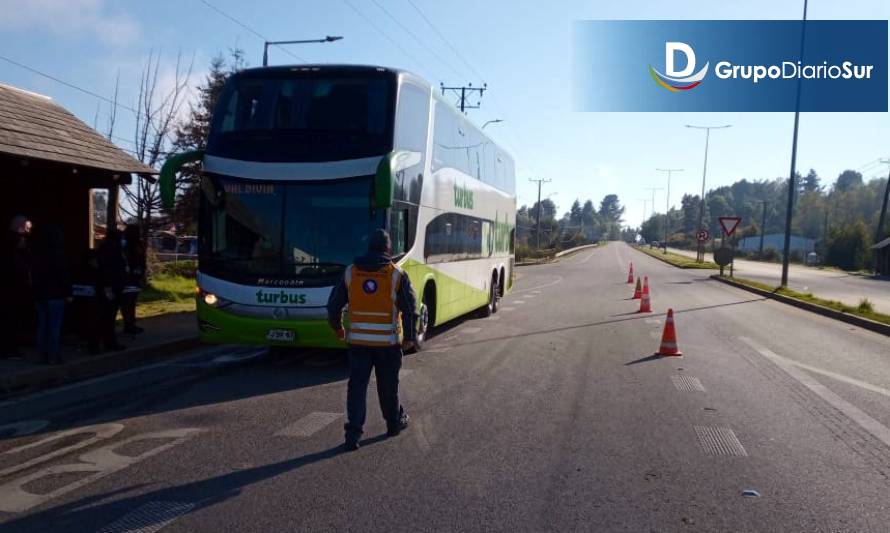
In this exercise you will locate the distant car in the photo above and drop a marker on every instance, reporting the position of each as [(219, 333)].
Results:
[(654, 244)]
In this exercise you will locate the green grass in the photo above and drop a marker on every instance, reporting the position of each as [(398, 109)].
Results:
[(865, 309), (676, 259), (166, 293)]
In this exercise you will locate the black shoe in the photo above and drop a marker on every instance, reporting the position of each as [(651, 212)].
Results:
[(350, 445), (403, 424)]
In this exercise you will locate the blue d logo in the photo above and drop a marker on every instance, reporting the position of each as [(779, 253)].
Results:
[(369, 286)]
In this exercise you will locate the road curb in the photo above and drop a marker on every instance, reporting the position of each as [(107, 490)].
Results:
[(663, 260), (556, 256), (863, 323), (87, 367)]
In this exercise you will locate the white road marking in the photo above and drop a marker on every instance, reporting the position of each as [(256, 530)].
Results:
[(653, 321), (149, 518), (518, 302), (586, 258), (25, 427), (544, 286), (866, 422), (529, 296), (309, 424), (494, 317), (506, 308), (719, 441), (843, 378), (687, 383), (97, 463), (471, 330), (420, 436), (99, 432)]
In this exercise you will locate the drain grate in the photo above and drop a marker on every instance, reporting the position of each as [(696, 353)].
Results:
[(149, 518), (688, 383), (719, 441)]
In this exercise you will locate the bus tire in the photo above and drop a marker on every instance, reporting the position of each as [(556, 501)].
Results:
[(426, 318), (492, 306)]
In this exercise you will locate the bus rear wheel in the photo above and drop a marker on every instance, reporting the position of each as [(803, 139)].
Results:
[(424, 321), (492, 306)]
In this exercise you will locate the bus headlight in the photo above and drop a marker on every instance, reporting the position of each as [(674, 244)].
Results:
[(210, 298)]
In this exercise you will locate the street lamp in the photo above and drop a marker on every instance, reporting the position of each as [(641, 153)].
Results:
[(667, 209), (700, 256), (495, 121), (327, 39)]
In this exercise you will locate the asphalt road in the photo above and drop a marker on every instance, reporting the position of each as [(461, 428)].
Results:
[(822, 282), (551, 415)]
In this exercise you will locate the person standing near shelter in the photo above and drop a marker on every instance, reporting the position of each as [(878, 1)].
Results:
[(110, 288), (134, 253), (52, 289), (382, 315), (15, 276)]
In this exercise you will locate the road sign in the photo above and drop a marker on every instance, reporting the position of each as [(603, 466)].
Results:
[(703, 235), (723, 256), (729, 224)]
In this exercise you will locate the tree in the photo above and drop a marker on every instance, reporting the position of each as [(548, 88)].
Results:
[(849, 179), (810, 183), (611, 209), (849, 247), (192, 133), (156, 114)]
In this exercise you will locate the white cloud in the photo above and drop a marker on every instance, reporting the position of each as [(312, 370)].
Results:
[(69, 17)]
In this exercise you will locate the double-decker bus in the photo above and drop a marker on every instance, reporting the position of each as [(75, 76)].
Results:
[(303, 162)]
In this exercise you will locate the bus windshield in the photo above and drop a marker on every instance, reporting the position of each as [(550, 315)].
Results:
[(278, 231), (304, 117)]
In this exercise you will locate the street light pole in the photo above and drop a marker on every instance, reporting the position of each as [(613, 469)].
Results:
[(700, 256), (328, 39), (538, 223), (786, 253), (667, 208)]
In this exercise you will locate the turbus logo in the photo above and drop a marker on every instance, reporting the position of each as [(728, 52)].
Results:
[(280, 297), (369, 286), (678, 80), (463, 196)]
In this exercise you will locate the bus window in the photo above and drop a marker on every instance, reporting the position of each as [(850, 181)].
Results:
[(398, 231)]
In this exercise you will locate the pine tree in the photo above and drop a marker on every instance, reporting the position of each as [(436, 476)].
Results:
[(191, 134)]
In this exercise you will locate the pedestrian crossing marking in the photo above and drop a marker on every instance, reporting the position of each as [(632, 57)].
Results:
[(309, 424)]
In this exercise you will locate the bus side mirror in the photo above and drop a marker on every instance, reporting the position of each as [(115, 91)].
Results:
[(384, 181), (171, 167)]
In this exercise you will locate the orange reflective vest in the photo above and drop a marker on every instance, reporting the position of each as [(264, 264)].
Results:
[(374, 317)]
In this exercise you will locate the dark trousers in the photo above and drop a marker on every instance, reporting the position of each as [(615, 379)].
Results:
[(386, 363), (128, 309), (107, 316)]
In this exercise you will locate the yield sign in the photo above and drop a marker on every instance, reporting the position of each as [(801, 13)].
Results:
[(729, 224)]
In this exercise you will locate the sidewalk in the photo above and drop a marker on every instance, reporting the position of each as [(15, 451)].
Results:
[(164, 335)]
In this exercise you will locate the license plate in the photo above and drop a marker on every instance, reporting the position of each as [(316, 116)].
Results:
[(281, 335)]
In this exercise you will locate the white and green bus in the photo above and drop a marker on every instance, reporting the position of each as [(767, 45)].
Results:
[(302, 162)]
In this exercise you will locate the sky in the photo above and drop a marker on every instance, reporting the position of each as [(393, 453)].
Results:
[(522, 50)]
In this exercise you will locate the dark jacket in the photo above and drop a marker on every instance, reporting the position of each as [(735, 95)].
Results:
[(50, 276), (406, 301), (112, 267), (15, 267), (134, 253)]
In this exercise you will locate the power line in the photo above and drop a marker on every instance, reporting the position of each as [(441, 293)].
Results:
[(67, 84), (251, 30), (446, 41), (383, 33), (417, 39)]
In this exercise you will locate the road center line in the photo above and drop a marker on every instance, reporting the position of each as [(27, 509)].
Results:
[(866, 422), (552, 283)]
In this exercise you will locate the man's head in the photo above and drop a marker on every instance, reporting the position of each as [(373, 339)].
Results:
[(378, 242), (20, 224)]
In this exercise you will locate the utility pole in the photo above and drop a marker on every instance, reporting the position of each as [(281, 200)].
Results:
[(880, 230), (700, 256), (762, 226), (463, 91), (538, 222), (786, 253), (667, 204)]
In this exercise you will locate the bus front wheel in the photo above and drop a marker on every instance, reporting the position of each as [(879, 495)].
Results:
[(424, 319)]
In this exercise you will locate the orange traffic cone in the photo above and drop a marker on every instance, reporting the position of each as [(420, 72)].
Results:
[(669, 337), (645, 304), (645, 284), (638, 292), (630, 275)]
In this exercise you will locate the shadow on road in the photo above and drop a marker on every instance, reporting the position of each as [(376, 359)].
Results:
[(638, 316), (80, 514), (653, 357)]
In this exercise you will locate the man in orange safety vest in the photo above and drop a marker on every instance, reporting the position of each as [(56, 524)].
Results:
[(382, 315)]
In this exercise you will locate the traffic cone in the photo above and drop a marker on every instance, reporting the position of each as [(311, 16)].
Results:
[(645, 304), (645, 284), (669, 338), (638, 292), (630, 275)]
